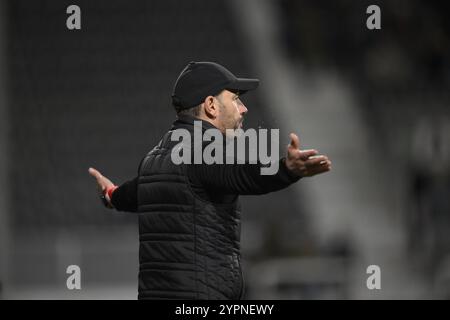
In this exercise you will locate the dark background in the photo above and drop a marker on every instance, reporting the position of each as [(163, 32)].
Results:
[(375, 101)]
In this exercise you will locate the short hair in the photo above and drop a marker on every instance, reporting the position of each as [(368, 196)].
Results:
[(194, 111)]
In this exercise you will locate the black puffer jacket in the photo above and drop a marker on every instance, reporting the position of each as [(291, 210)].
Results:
[(189, 223)]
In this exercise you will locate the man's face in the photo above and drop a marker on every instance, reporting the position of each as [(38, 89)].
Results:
[(231, 112)]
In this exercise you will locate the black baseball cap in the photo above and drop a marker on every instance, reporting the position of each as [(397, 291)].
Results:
[(201, 79)]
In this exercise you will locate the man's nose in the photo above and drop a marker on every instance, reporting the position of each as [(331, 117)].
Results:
[(242, 109)]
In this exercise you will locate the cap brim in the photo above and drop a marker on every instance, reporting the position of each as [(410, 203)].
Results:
[(244, 84)]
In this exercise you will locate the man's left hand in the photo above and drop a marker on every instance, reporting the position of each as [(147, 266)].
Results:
[(305, 163)]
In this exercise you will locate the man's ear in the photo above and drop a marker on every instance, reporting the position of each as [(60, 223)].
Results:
[(211, 107)]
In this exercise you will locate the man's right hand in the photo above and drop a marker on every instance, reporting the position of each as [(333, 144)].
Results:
[(103, 184)]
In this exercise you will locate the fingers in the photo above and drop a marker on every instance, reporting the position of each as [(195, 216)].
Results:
[(316, 160), (98, 176), (305, 162), (318, 170), (305, 154), (95, 173), (318, 165), (295, 141), (294, 149)]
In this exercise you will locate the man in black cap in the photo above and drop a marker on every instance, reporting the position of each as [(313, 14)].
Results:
[(189, 221)]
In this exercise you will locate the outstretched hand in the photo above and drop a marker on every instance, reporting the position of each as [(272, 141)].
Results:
[(103, 184), (305, 163)]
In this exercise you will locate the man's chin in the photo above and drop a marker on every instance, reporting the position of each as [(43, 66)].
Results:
[(236, 127)]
